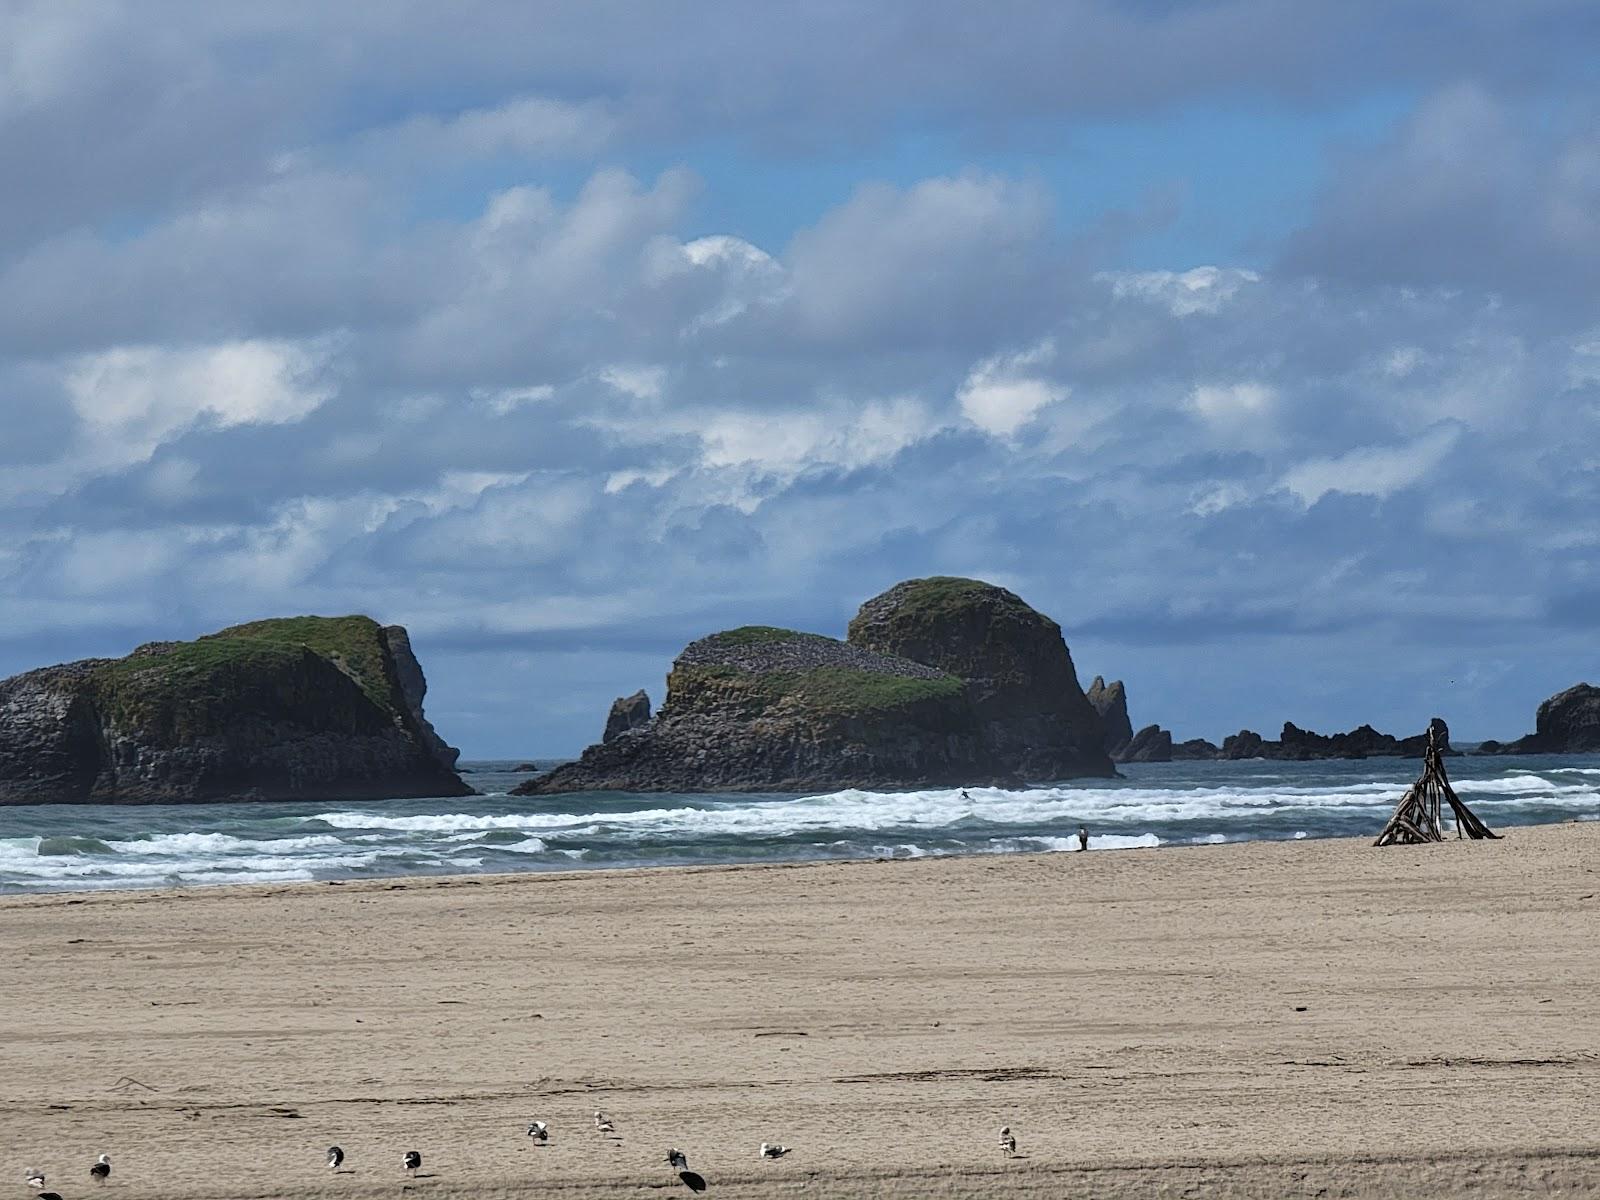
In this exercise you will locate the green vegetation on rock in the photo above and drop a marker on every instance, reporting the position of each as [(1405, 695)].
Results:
[(830, 691), (187, 688)]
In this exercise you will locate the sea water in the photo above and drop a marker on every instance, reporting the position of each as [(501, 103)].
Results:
[(69, 847)]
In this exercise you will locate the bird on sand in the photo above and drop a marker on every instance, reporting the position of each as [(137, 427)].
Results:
[(413, 1163), (539, 1132), (1008, 1141), (101, 1170), (677, 1159), (773, 1150), (335, 1158), (36, 1179), (602, 1123)]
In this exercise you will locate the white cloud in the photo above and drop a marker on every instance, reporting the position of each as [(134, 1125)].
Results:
[(1231, 403), (131, 399), (1370, 470), (1002, 394), (1183, 293)]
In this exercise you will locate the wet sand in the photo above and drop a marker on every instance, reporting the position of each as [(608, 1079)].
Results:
[(1264, 1019)]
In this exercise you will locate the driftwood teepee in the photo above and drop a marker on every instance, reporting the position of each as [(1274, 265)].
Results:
[(1417, 817)]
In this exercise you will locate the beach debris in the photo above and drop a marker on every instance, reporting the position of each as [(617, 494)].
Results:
[(101, 1171), (36, 1179), (127, 1083), (603, 1123), (773, 1150), (539, 1132), (677, 1159), (1416, 818), (1008, 1141), (413, 1162), (335, 1158)]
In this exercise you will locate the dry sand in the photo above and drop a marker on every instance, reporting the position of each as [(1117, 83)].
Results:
[(1314, 1018)]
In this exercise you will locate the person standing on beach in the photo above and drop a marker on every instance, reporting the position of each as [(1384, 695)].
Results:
[(1083, 838)]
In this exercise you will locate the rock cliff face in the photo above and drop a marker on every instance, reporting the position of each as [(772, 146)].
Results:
[(764, 709), (1023, 688), (1110, 701), (310, 706), (942, 682), (1567, 723), (627, 712), (1150, 744)]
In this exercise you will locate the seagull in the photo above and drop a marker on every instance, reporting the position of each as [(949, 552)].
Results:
[(677, 1159), (602, 1123), (539, 1132), (1008, 1141), (36, 1179), (335, 1158), (413, 1163), (773, 1150), (102, 1168)]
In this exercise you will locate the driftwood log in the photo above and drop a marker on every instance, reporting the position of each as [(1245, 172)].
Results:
[(1417, 818)]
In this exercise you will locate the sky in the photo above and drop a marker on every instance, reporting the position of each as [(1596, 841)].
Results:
[(1256, 341)]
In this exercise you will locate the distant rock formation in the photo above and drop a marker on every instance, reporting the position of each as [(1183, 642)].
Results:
[(303, 707), (1021, 683), (764, 709), (1566, 723), (1301, 745), (627, 712), (942, 682), (1110, 701), (1195, 748), (1150, 744)]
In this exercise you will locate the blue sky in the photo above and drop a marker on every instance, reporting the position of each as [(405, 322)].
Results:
[(1258, 342)]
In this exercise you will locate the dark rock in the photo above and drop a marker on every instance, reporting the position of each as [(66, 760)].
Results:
[(1247, 743), (627, 712), (1303, 745), (1195, 749), (994, 698), (526, 768), (1021, 683), (1150, 744), (330, 708), (1567, 723), (763, 709), (1110, 701)]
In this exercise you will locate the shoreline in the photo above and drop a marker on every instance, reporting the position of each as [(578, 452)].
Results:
[(1243, 1019), (386, 882)]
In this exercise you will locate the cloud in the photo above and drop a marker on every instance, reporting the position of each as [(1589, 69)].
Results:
[(1378, 471), (1003, 393)]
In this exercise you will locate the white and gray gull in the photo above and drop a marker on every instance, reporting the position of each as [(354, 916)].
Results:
[(413, 1163), (539, 1132), (602, 1123), (335, 1158), (36, 1179), (101, 1171), (773, 1150)]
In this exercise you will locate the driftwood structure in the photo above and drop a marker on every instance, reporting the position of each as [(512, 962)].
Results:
[(1417, 817)]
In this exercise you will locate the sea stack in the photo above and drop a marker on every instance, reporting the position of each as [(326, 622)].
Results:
[(1567, 723), (307, 706), (1110, 700), (993, 699), (1031, 711)]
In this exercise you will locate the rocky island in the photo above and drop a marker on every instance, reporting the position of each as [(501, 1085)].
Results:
[(307, 706), (1567, 723), (940, 682)]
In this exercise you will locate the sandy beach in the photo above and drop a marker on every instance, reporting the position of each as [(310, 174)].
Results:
[(1264, 1019)]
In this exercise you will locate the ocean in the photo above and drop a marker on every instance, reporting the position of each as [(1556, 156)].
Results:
[(80, 847)]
